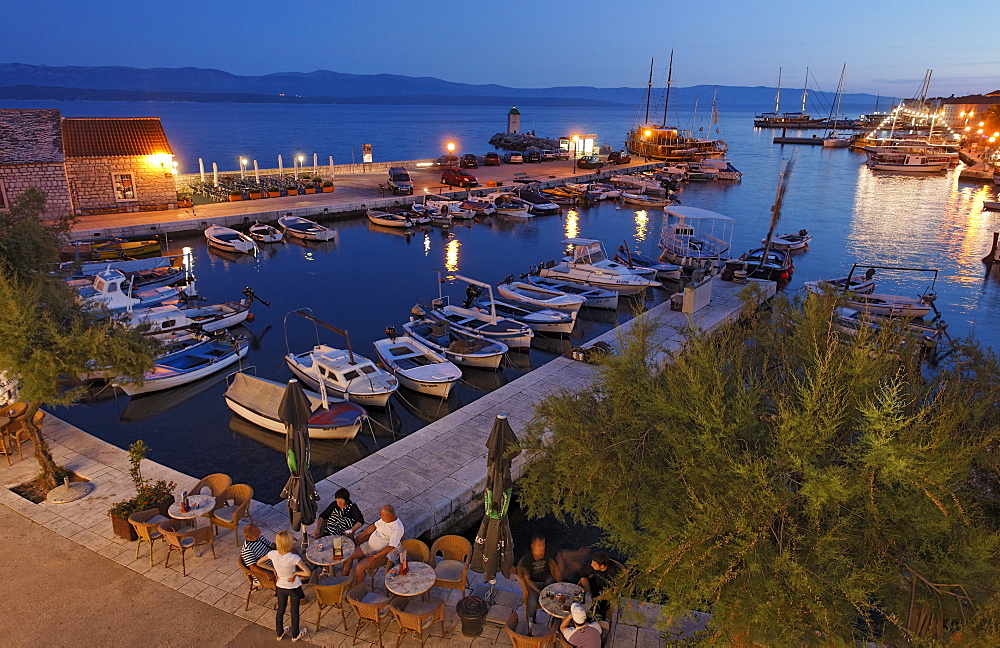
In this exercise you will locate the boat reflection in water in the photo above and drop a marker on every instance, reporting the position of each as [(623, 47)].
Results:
[(424, 407), (156, 403), (484, 380), (329, 455), (556, 345)]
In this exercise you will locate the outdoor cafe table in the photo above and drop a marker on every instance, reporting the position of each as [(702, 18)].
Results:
[(415, 582), (556, 598), (198, 505), (321, 552)]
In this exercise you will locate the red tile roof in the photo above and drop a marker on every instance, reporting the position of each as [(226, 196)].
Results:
[(113, 137)]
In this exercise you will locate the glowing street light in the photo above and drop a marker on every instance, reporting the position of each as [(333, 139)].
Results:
[(300, 159), (243, 167)]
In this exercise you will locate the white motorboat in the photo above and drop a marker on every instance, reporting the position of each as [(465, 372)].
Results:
[(891, 305), (187, 364), (715, 170), (695, 238), (908, 163), (796, 241), (210, 318), (636, 184), (388, 219), (229, 240), (468, 322), (505, 203), (861, 285), (452, 208), (541, 320), (637, 261), (264, 233), (305, 229), (540, 296), (110, 289), (416, 365), (588, 264), (596, 297), (344, 373), (645, 201), (541, 205), (469, 351), (258, 400)]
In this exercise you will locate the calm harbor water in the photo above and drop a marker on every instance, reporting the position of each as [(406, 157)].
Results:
[(372, 277)]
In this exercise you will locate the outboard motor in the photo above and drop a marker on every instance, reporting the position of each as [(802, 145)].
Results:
[(390, 332)]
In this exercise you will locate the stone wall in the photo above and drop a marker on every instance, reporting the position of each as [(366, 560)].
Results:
[(50, 178), (90, 184), (187, 180)]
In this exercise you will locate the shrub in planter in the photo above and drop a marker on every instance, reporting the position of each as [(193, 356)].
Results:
[(310, 189), (235, 195), (273, 193), (327, 187), (148, 494), (254, 195), (292, 191)]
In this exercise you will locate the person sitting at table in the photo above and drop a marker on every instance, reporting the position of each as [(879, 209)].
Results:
[(289, 569), (578, 632), (254, 547), (598, 577), (342, 517), (536, 570), (379, 539)]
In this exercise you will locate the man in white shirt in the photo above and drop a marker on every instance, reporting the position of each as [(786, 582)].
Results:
[(380, 539), (578, 632)]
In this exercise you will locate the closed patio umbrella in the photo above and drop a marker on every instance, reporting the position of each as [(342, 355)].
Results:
[(300, 491), (494, 547)]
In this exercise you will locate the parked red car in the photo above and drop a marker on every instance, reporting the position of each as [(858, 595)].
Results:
[(492, 159), (458, 178)]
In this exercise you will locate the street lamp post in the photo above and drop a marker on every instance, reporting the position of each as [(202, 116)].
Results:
[(451, 152), (243, 167), (576, 143), (301, 159)]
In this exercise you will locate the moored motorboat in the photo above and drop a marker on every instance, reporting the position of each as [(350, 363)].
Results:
[(110, 288), (469, 350), (589, 264), (991, 206), (541, 205), (796, 241), (891, 305), (229, 240), (775, 265), (908, 163), (416, 365), (469, 322), (862, 285), (645, 201), (509, 205), (694, 238), (542, 297), (114, 248), (209, 318), (539, 319), (305, 229), (596, 297), (388, 219), (187, 364), (633, 259), (344, 373), (264, 233)]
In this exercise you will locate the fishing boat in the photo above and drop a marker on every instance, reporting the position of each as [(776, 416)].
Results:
[(715, 170), (506, 204), (110, 288), (305, 229), (635, 259), (113, 248), (589, 264), (416, 365), (790, 241), (469, 351), (539, 296), (647, 202), (929, 334), (638, 185), (541, 205), (762, 263), (560, 196), (209, 318), (451, 207), (258, 400), (539, 319), (671, 144), (480, 207), (862, 285), (596, 297), (891, 305), (140, 274), (188, 364), (388, 219), (694, 238), (344, 373), (468, 322), (264, 233), (229, 240)]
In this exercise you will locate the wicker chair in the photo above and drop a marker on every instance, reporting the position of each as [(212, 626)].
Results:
[(261, 579), (416, 550), (375, 564), (452, 567), (370, 607), (228, 515), (520, 633), (330, 592), (216, 483), (413, 617), (146, 524), (18, 431), (182, 537)]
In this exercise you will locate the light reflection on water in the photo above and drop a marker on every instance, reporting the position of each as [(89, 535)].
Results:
[(641, 221), (451, 255), (572, 223)]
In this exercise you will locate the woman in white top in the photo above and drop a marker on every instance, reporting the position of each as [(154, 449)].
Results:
[(289, 570)]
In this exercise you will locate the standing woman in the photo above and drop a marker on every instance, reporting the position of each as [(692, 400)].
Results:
[(289, 569), (342, 517)]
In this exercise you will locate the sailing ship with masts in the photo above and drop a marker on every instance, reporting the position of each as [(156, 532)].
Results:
[(662, 142), (779, 119)]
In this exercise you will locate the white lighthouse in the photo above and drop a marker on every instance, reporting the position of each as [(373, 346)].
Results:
[(514, 120)]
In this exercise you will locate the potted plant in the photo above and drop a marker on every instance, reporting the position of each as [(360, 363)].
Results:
[(328, 187), (149, 494), (273, 193), (184, 200), (235, 195), (310, 188), (292, 190), (255, 194)]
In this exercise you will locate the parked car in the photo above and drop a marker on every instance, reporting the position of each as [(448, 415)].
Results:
[(458, 178), (491, 159), (532, 156), (619, 157), (590, 162), (399, 181), (548, 155), (447, 161), (562, 154), (514, 158), (469, 161)]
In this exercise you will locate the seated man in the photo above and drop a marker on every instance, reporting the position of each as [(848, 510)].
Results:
[(578, 632), (536, 570), (254, 548), (380, 539), (342, 517), (596, 578)]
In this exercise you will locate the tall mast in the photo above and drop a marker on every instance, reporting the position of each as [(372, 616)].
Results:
[(670, 80), (649, 89), (805, 91), (777, 95), (840, 90)]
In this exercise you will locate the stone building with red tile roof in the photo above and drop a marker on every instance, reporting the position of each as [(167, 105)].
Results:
[(86, 165)]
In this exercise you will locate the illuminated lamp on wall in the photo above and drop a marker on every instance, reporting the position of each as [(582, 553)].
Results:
[(165, 162)]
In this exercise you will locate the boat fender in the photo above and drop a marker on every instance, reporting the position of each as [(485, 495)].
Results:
[(250, 317)]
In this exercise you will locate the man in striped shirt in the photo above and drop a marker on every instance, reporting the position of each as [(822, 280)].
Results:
[(254, 547)]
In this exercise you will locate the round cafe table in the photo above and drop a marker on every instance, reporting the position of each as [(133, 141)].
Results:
[(556, 598), (320, 552), (415, 582), (198, 505)]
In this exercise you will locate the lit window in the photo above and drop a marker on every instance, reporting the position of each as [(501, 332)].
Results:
[(124, 186)]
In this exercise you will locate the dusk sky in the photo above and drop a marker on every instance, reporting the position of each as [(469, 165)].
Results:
[(887, 45)]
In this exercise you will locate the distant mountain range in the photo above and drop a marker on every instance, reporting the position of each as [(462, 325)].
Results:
[(41, 82)]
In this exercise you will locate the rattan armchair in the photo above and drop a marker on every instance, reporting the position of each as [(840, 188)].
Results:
[(370, 607), (18, 431), (451, 567), (216, 483), (261, 579), (330, 592), (182, 537), (520, 633), (414, 616), (231, 506), (416, 550), (375, 563), (146, 524)]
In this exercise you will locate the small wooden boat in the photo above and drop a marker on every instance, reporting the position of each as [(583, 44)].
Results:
[(348, 375), (892, 305), (633, 259), (480, 207), (141, 279), (417, 366), (991, 206), (539, 319), (645, 201), (560, 196), (596, 297), (188, 364), (861, 285), (210, 318), (470, 323), (305, 229), (388, 219), (258, 400), (114, 248), (452, 208), (229, 240), (541, 205), (542, 297), (468, 351), (509, 205), (928, 334), (264, 233), (110, 288), (790, 241)]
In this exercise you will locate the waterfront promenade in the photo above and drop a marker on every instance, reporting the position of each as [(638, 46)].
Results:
[(434, 477)]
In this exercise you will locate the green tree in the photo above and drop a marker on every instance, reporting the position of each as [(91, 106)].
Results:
[(49, 340), (802, 488)]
